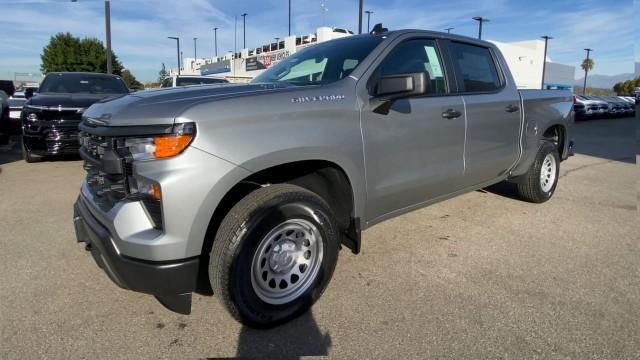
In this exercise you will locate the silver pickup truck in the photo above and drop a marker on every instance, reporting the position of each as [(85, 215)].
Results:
[(249, 191)]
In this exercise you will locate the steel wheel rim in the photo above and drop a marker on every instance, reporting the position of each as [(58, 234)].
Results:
[(548, 173), (286, 261)]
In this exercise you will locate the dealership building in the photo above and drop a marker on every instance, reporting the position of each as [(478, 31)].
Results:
[(525, 59)]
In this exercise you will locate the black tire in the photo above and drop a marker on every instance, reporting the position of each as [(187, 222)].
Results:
[(530, 188), (238, 239), (28, 157)]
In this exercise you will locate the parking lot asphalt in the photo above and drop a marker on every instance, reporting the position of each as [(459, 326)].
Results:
[(480, 276)]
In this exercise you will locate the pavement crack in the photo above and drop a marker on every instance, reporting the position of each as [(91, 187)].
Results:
[(594, 164)]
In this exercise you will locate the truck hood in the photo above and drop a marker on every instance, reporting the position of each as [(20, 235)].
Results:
[(66, 100), (159, 107)]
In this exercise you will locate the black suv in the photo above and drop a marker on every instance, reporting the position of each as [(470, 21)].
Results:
[(50, 118), (7, 87)]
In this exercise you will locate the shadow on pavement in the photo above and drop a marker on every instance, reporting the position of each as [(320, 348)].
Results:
[(12, 152), (294, 340)]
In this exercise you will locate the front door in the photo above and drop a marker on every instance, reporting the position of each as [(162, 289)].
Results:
[(413, 153)]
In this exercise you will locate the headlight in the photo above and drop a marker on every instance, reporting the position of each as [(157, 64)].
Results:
[(161, 146), (32, 117)]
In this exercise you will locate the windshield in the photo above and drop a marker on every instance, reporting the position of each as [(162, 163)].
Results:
[(323, 63), (83, 83)]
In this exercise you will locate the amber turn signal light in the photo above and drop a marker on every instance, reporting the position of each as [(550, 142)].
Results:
[(171, 145)]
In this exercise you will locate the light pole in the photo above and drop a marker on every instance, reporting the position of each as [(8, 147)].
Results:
[(215, 41), (449, 30), (289, 17), (244, 30), (586, 70), (360, 6), (369, 12), (177, 39), (480, 21), (195, 48), (107, 25), (544, 59)]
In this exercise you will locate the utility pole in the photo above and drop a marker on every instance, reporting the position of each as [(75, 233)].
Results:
[(544, 59), (360, 7), (244, 30), (480, 20), (586, 70), (107, 23), (215, 41), (195, 48), (177, 39), (449, 30), (369, 12)]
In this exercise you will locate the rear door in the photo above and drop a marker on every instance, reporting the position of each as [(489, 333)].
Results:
[(412, 153), (493, 114)]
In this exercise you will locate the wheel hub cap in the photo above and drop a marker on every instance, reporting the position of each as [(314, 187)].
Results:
[(286, 261), (548, 173)]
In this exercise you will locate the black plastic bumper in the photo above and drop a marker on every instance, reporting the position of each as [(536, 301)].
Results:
[(172, 282)]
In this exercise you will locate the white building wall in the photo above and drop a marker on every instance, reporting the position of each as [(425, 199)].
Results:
[(525, 59)]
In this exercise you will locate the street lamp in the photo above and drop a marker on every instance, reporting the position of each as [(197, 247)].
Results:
[(195, 48), (360, 6), (177, 39), (244, 30), (480, 21), (215, 41), (544, 59), (107, 25), (369, 12), (586, 70), (449, 30), (289, 17)]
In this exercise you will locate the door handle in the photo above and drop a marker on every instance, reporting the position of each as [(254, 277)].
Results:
[(511, 108), (451, 114)]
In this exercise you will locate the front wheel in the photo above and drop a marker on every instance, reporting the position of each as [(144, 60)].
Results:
[(28, 157), (274, 254), (540, 181)]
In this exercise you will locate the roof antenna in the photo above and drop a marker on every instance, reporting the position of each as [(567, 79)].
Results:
[(378, 29)]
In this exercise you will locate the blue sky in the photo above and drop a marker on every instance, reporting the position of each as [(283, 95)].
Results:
[(140, 27)]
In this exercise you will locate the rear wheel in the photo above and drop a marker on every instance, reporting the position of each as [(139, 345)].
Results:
[(540, 181), (274, 254)]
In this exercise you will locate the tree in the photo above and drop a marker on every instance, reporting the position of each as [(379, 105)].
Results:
[(163, 74), (587, 64), (626, 88), (131, 81), (66, 52)]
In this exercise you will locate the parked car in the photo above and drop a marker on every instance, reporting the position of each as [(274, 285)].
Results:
[(50, 118), (20, 92), (250, 189), (7, 90), (189, 80), (590, 108)]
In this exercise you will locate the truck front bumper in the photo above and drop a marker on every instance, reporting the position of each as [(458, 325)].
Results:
[(172, 282)]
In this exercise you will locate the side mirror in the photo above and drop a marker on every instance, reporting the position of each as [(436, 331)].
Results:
[(28, 93), (392, 87), (402, 85)]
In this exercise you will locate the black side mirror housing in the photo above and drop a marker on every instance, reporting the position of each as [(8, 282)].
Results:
[(392, 87), (28, 93)]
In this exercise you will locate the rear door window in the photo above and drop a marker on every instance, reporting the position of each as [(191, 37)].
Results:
[(476, 68)]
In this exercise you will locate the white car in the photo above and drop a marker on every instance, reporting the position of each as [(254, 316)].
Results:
[(189, 80)]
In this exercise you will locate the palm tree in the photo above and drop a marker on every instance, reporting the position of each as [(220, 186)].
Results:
[(587, 65)]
